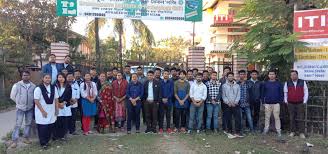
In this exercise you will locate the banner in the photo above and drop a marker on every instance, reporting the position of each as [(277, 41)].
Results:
[(311, 61), (183, 10)]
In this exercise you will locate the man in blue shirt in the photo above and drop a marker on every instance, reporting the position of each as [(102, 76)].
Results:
[(52, 68), (165, 106)]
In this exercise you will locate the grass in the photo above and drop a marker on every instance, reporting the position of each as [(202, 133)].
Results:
[(198, 143), (6, 104)]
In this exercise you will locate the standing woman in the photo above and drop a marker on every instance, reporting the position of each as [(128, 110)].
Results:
[(64, 114), (120, 85), (46, 109), (106, 105), (89, 94)]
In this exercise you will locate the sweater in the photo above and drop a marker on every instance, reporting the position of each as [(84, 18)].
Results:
[(272, 92)]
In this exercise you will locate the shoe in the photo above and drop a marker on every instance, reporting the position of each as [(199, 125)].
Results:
[(230, 136), (215, 131), (302, 136), (175, 130), (148, 131), (129, 132), (90, 132), (13, 145), (182, 130), (160, 131), (279, 133), (137, 131), (189, 131), (169, 131), (27, 141), (265, 131), (198, 131), (85, 133), (75, 133), (154, 131), (292, 134), (225, 132), (45, 147), (238, 135)]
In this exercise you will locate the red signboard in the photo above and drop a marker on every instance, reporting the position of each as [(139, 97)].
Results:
[(311, 23)]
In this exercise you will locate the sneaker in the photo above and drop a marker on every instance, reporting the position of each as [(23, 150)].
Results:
[(292, 134), (148, 131), (225, 132), (154, 131), (75, 133), (85, 133), (13, 145), (44, 147), (239, 135), (215, 131), (302, 136), (129, 132), (189, 131), (175, 130), (230, 136), (160, 131), (27, 141), (137, 131), (265, 131), (182, 130), (198, 131), (169, 131), (90, 132), (279, 133)]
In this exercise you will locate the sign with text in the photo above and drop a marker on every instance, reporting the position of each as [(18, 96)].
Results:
[(183, 10)]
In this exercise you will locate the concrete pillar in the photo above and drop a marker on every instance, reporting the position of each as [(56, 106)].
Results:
[(239, 63), (196, 58)]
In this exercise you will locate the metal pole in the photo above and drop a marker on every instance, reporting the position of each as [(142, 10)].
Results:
[(97, 42), (193, 34)]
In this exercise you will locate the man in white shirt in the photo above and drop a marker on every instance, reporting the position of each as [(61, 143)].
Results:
[(46, 109), (198, 94), (296, 95), (74, 103)]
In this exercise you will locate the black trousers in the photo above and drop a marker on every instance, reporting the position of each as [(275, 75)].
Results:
[(224, 115), (164, 111), (44, 133), (180, 117), (235, 112), (80, 111), (61, 127), (151, 111), (72, 121), (255, 112)]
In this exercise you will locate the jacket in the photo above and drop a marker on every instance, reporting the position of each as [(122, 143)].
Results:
[(69, 68), (157, 91), (47, 69), (231, 93), (255, 91), (272, 92), (23, 96), (167, 90), (134, 90)]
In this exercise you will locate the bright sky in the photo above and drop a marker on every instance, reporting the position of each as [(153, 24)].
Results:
[(160, 29)]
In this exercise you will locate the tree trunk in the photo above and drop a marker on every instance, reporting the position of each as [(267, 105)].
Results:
[(120, 49), (97, 42)]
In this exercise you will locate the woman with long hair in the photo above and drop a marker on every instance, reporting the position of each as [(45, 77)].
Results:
[(64, 113), (106, 107), (89, 94)]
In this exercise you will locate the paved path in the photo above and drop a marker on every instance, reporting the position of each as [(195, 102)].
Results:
[(7, 122)]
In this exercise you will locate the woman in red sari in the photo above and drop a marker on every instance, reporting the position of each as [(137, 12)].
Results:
[(106, 106), (119, 94)]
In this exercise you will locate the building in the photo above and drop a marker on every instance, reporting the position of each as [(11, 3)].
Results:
[(223, 30)]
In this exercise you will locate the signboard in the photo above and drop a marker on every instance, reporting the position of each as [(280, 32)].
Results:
[(184, 10), (312, 60)]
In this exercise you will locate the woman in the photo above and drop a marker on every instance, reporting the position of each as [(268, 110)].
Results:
[(46, 109), (89, 93), (106, 105), (64, 114), (120, 85)]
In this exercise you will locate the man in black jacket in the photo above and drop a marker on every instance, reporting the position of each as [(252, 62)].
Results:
[(255, 95), (67, 64), (152, 97)]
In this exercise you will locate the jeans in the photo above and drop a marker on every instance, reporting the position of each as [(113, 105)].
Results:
[(133, 115), (20, 114), (247, 112), (198, 112), (212, 111), (164, 111), (235, 112)]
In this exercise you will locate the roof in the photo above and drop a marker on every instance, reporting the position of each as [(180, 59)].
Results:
[(227, 24), (210, 4), (220, 51)]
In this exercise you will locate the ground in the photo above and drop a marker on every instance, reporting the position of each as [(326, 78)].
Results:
[(178, 143)]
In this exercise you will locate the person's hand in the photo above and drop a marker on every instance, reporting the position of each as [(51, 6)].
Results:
[(233, 105), (44, 114), (73, 101), (181, 102), (213, 101), (61, 105)]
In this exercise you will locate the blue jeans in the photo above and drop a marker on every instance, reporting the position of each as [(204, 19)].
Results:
[(212, 111), (197, 112), (247, 112), (20, 114)]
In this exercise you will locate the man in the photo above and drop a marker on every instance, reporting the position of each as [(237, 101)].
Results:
[(255, 96), (296, 95), (213, 102), (115, 71), (22, 95), (174, 74), (205, 76), (210, 70), (226, 70), (141, 77), (194, 72), (272, 95), (190, 76), (94, 76), (119, 94), (78, 80), (198, 94), (223, 80), (74, 103), (67, 64), (127, 73), (152, 97), (52, 68), (64, 71), (165, 106), (181, 93), (158, 73), (110, 76), (231, 97), (244, 99)]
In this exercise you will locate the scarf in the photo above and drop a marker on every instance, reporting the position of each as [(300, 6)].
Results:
[(44, 91)]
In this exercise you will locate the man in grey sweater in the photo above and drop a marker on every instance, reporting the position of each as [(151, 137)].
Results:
[(231, 97), (22, 94)]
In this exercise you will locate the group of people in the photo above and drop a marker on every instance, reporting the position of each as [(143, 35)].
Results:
[(192, 98)]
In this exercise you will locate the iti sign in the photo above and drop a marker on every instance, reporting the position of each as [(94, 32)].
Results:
[(312, 60), (188, 10), (66, 7)]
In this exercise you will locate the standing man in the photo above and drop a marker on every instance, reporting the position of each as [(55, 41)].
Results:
[(52, 68), (198, 94), (110, 76), (213, 102), (158, 73), (152, 98), (272, 95), (127, 73), (181, 93), (255, 96), (141, 77), (190, 77), (296, 96), (231, 97), (194, 72), (119, 93), (67, 64), (165, 107), (115, 71), (94, 76), (223, 80), (244, 99), (22, 95), (174, 74), (74, 103), (206, 77)]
